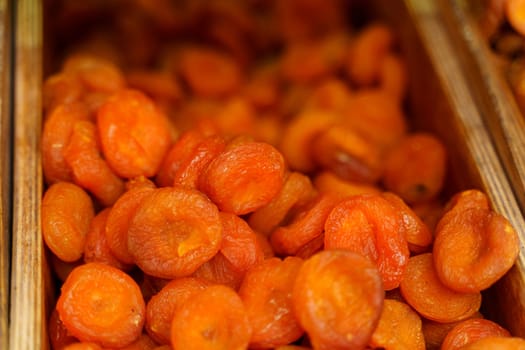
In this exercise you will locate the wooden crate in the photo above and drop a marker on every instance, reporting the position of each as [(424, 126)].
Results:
[(491, 88), (441, 100), (5, 165)]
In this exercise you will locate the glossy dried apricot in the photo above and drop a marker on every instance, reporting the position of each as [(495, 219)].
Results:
[(371, 226), (214, 318), (101, 304), (423, 290), (119, 218), (173, 231), (474, 246), (244, 178), (496, 343), (191, 168), (90, 170), (67, 211), (240, 245), (338, 297), (96, 248), (56, 134), (162, 306), (471, 330), (305, 226), (266, 293), (179, 152), (399, 327), (296, 191), (418, 235), (219, 270), (135, 135)]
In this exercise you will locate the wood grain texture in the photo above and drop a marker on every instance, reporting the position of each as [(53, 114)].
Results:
[(478, 157), (5, 165), (492, 92), (27, 310), (440, 100)]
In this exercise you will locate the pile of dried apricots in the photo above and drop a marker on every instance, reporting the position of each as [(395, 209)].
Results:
[(254, 184)]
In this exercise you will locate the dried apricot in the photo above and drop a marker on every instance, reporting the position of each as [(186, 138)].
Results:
[(101, 304), (244, 178), (266, 294), (423, 290), (371, 226), (214, 318), (119, 218), (90, 170), (296, 191), (305, 226), (174, 230), (135, 135), (338, 297), (471, 330), (496, 343), (96, 248), (162, 306), (415, 168), (56, 134), (474, 246), (67, 211), (399, 327)]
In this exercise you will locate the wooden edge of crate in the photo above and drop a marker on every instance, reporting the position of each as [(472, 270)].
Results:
[(5, 161), (509, 292), (492, 91), (29, 279), (27, 309)]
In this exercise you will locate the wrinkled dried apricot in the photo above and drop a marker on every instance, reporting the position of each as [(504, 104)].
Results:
[(338, 297), (67, 211), (371, 226), (244, 178), (305, 226), (56, 134), (120, 215), (135, 135), (90, 170), (162, 306), (96, 248), (296, 191), (423, 290), (101, 304), (214, 318), (266, 294), (474, 246), (173, 231), (399, 327), (415, 168), (471, 330)]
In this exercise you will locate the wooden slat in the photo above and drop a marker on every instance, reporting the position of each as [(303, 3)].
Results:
[(5, 165), (440, 101), (27, 313), (493, 94), (482, 157)]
